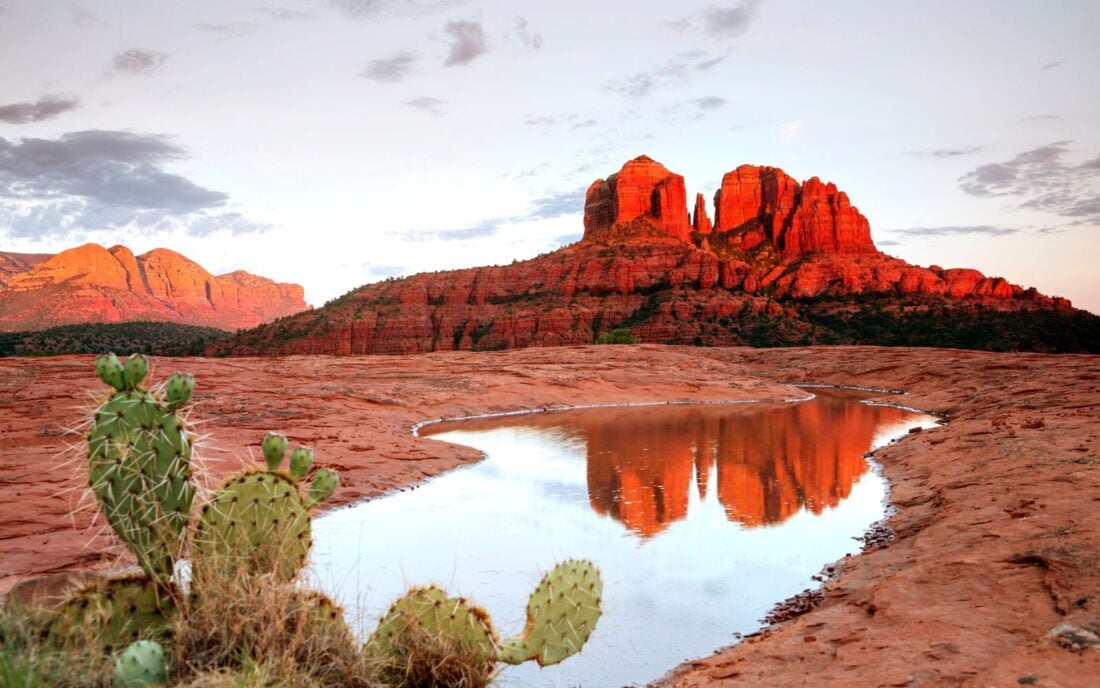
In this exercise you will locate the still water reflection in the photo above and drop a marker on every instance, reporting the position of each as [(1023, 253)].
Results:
[(700, 517)]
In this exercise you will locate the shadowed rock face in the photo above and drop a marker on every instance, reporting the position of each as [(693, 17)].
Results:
[(643, 263), (91, 283)]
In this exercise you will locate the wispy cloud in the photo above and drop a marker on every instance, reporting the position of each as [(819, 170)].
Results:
[(138, 61), (98, 180), (709, 102), (285, 13), (952, 230), (1041, 179), (1039, 118), (467, 42), (552, 204), (730, 20), (677, 71), (571, 121), (427, 104), (529, 38), (1052, 65), (392, 69), (46, 107), (228, 29)]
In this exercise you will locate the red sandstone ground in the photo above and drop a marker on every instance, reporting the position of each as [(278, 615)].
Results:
[(998, 523)]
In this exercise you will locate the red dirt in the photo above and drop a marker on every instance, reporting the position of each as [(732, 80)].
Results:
[(997, 532)]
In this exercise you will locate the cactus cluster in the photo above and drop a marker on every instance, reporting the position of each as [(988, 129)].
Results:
[(561, 614), (258, 523), (139, 463)]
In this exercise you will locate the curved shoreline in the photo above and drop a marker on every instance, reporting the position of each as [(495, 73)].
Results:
[(993, 576)]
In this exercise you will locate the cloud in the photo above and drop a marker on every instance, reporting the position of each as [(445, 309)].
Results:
[(709, 102), (384, 270), (1042, 180), (427, 104), (358, 8), (789, 131), (553, 204), (392, 69), (1051, 65), (1039, 118), (673, 72), (138, 61), (532, 40), (708, 63), (571, 120), (729, 21), (228, 29), (467, 42), (988, 230), (285, 13), (98, 180), (46, 107)]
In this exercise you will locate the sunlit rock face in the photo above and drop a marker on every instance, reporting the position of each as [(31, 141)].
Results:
[(93, 284), (646, 263), (764, 465)]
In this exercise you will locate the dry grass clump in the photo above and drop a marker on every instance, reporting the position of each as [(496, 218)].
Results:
[(422, 659), (282, 633), (30, 658)]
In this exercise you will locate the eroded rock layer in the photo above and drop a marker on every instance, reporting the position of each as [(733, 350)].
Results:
[(91, 283)]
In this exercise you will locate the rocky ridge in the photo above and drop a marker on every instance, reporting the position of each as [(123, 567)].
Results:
[(91, 283), (775, 248)]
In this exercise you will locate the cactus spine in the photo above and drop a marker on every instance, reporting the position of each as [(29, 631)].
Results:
[(139, 457), (259, 521)]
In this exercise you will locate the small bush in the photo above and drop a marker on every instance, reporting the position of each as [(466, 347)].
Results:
[(621, 335)]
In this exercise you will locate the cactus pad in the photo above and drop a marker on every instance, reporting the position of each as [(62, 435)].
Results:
[(139, 457), (561, 615), (141, 664), (258, 522), (440, 617), (115, 611)]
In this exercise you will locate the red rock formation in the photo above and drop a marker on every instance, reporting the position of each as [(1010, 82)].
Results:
[(15, 263), (93, 284), (641, 189), (798, 220), (700, 221), (773, 241)]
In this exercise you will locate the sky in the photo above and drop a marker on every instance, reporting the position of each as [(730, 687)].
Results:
[(334, 143)]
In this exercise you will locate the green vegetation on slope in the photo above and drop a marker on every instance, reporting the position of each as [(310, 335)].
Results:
[(158, 338), (956, 326)]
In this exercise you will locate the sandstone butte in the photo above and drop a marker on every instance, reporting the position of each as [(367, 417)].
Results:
[(991, 578), (645, 263), (91, 283)]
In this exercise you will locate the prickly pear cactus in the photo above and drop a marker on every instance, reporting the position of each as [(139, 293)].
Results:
[(141, 664), (259, 521), (114, 612), (139, 463), (561, 615), (431, 611)]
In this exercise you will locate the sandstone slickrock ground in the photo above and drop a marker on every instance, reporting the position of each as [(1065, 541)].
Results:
[(91, 283), (993, 576)]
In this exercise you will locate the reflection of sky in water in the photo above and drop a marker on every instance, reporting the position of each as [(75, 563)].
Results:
[(489, 532)]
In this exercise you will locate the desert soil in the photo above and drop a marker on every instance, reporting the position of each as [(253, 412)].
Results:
[(992, 578)]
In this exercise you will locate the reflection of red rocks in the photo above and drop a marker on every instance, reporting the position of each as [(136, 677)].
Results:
[(771, 462)]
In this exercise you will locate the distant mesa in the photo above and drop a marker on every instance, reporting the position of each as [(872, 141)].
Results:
[(773, 261), (93, 284)]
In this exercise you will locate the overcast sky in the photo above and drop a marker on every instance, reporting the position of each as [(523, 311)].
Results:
[(338, 142)]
